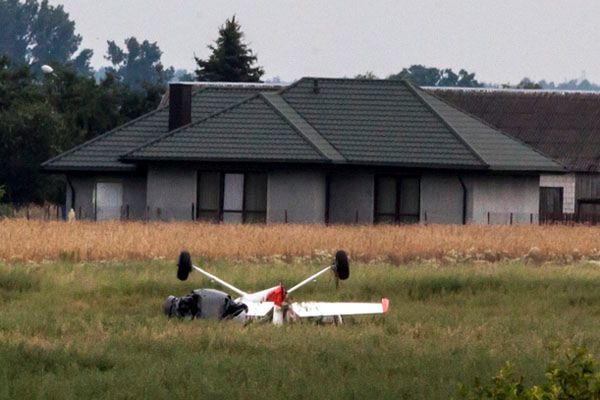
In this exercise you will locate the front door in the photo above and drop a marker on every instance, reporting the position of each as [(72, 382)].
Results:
[(109, 199)]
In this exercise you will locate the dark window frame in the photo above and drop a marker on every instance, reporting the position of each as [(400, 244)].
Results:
[(221, 210), (397, 215)]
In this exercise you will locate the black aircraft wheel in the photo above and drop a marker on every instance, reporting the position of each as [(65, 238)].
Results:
[(341, 265), (184, 265)]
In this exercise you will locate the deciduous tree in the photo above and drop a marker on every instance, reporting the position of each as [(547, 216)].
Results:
[(37, 33), (138, 63)]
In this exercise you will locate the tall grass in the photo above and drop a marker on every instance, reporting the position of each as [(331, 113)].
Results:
[(22, 240), (96, 330)]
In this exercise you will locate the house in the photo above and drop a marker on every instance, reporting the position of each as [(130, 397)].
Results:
[(565, 125), (318, 151)]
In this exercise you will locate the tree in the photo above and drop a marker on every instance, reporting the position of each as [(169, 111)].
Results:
[(419, 74), (231, 59), (183, 75), (431, 76), (29, 126), (366, 75), (527, 83), (138, 63), (40, 119), (37, 33)]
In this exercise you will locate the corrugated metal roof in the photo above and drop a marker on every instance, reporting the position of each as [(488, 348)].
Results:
[(564, 125), (499, 151)]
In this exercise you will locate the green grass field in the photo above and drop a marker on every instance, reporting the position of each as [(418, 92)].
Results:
[(97, 331)]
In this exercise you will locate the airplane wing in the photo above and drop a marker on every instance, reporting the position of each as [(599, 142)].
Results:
[(320, 309), (256, 309)]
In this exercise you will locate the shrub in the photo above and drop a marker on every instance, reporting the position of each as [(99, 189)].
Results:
[(576, 377)]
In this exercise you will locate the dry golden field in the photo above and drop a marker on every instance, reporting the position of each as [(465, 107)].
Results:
[(22, 240)]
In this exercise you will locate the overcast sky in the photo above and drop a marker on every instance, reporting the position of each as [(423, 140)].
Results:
[(501, 40)]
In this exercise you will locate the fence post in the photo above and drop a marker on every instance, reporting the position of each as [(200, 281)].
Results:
[(158, 213), (511, 219), (531, 219), (285, 216), (488, 217), (193, 213), (425, 217)]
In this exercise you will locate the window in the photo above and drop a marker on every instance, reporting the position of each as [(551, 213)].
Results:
[(209, 197), (255, 198), (397, 199), (232, 197)]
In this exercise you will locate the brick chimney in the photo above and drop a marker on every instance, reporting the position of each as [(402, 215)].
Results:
[(180, 105)]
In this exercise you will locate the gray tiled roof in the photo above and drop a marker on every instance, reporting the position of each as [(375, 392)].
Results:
[(367, 122), (103, 152), (317, 120), (249, 131), (378, 121)]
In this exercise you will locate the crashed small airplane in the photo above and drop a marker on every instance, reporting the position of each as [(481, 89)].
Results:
[(272, 304)]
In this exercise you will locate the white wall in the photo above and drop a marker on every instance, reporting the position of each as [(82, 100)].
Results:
[(300, 193), (441, 199), (501, 196), (351, 195), (498, 195), (567, 182), (171, 192)]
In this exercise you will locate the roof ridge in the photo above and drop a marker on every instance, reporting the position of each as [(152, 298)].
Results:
[(160, 107), (475, 117), (124, 156), (308, 132), (453, 130)]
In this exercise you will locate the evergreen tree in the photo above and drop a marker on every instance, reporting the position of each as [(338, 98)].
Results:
[(231, 60)]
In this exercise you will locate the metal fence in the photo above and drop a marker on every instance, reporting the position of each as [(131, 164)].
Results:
[(46, 212), (584, 218)]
